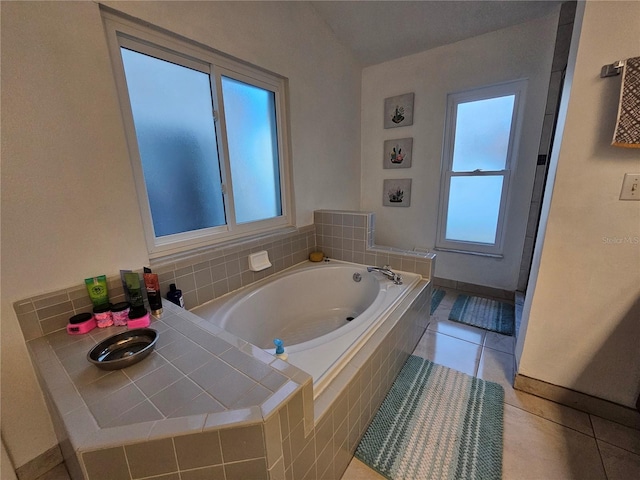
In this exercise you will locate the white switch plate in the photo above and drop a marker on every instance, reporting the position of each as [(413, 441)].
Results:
[(630, 187)]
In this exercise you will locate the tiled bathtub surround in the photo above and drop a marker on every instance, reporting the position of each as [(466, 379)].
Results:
[(254, 413), (345, 409), (185, 409), (50, 312), (184, 375), (199, 380), (212, 272), (349, 236), (202, 276)]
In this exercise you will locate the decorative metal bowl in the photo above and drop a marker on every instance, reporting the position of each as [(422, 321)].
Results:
[(123, 349)]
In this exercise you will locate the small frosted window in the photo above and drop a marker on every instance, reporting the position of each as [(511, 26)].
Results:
[(474, 206), (250, 117), (483, 129), (173, 117)]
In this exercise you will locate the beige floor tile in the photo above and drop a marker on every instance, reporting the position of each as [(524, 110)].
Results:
[(555, 412), (618, 463), (537, 449), (502, 343), (498, 367), (616, 434), (450, 352), (359, 471), (441, 324)]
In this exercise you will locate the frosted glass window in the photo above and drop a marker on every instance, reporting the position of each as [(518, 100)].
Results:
[(479, 152), (250, 117), (208, 139), (474, 206), (483, 129), (173, 117)]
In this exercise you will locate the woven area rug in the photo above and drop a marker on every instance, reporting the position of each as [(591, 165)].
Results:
[(436, 298), (436, 423), (484, 313)]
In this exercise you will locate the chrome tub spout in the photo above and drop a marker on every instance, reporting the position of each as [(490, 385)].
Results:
[(387, 272)]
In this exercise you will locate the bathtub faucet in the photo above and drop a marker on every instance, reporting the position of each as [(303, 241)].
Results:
[(386, 271)]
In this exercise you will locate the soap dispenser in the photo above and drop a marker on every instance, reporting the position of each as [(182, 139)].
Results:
[(280, 349)]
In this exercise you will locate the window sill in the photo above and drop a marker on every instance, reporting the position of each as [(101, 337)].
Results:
[(466, 252)]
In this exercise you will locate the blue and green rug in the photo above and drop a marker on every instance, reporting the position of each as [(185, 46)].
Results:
[(436, 423), (484, 313), (436, 298)]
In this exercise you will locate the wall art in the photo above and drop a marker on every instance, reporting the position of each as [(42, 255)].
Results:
[(397, 192), (398, 111), (397, 153)]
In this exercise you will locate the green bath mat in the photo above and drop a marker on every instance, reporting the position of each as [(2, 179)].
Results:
[(436, 423), (484, 313), (436, 298)]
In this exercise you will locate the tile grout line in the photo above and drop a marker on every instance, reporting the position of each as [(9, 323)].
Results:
[(175, 456), (553, 421), (604, 469), (617, 446), (477, 367)]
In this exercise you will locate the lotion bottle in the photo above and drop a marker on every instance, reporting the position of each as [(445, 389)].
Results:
[(174, 295)]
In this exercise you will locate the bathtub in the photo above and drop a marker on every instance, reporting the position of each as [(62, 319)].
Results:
[(321, 311)]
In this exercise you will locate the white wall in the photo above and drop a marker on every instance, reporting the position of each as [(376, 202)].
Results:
[(583, 325), (522, 51), (69, 208)]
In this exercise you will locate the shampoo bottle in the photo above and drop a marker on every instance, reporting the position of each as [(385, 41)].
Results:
[(134, 289), (174, 295), (152, 284)]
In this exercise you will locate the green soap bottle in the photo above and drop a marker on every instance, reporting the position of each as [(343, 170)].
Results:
[(135, 291)]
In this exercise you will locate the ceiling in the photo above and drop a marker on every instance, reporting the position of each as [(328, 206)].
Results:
[(378, 31)]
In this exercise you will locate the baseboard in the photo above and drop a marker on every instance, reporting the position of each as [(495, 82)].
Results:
[(492, 292), (40, 465), (578, 400)]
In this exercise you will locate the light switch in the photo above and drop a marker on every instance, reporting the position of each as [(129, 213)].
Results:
[(630, 187)]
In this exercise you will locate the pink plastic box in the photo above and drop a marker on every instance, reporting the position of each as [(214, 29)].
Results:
[(140, 319), (81, 324)]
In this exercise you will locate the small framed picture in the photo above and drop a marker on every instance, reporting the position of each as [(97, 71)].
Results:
[(398, 111), (397, 153), (396, 192)]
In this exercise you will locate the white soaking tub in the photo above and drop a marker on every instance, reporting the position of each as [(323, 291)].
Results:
[(322, 314)]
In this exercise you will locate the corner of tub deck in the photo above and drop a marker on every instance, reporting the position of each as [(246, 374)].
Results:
[(57, 357)]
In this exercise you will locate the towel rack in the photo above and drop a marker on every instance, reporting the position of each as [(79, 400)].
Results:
[(612, 69)]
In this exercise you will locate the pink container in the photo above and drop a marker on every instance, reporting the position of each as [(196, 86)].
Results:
[(120, 314), (103, 316), (138, 318), (81, 324)]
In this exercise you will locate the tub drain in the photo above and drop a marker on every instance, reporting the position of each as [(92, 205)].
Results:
[(350, 318)]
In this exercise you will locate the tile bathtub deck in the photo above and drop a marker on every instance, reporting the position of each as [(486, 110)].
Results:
[(542, 439)]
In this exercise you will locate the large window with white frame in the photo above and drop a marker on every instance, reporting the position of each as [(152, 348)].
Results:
[(207, 139), (480, 145)]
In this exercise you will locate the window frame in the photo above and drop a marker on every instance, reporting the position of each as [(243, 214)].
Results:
[(518, 89), (147, 40)]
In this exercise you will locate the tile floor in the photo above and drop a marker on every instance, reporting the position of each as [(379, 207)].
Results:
[(542, 440)]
